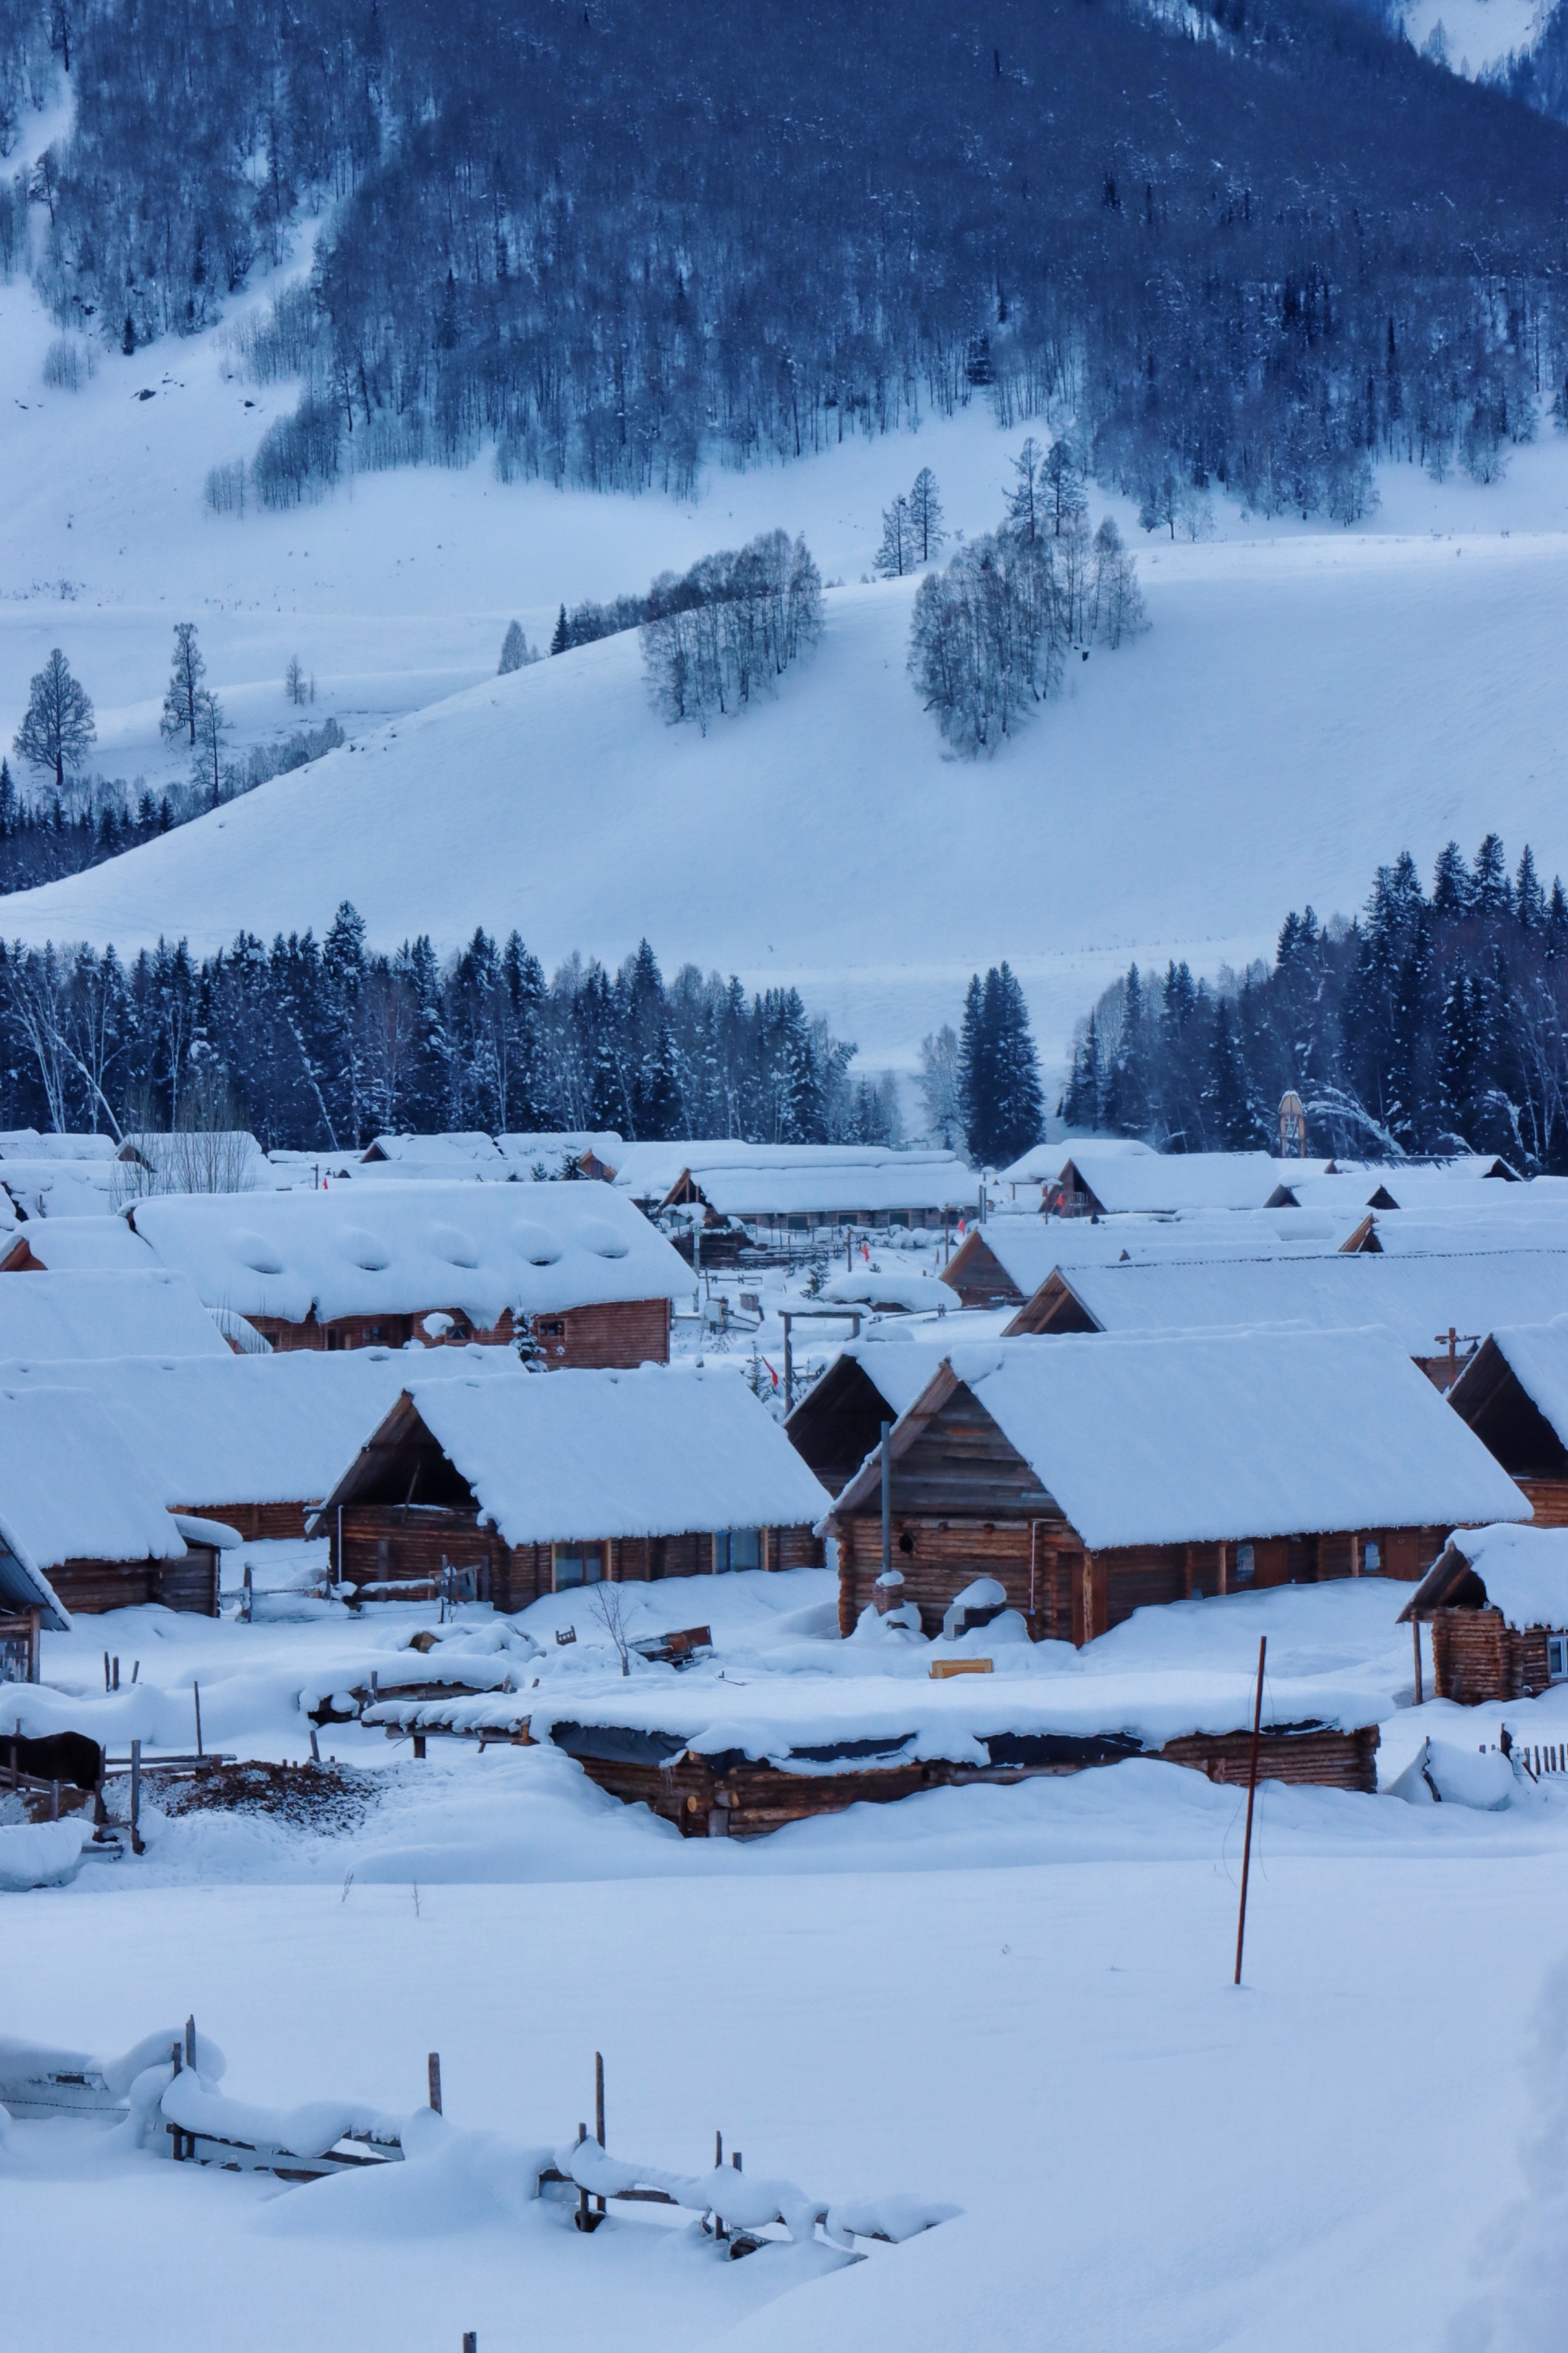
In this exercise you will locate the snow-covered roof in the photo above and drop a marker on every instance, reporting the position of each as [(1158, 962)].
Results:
[(1414, 1299), (1030, 1248), (1524, 1571), (100, 1245), (367, 1250), (666, 1451), (1469, 1224), (1043, 1162), (26, 1143), (60, 1318), (460, 1149), (904, 1180), (783, 1719), (1219, 1437), (915, 1291), (650, 1171), (70, 1486), (1408, 1185), (254, 1429), (1124, 1181), (62, 1188)]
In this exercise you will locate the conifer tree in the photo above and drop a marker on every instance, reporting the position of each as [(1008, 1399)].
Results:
[(183, 695), (561, 640), (925, 516)]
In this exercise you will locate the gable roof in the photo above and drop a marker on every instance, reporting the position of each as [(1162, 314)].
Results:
[(274, 1428), (1523, 1572), (1123, 1181), (457, 1150), (1204, 1438), (826, 1176), (368, 1249), (60, 1318), (1536, 1355), (1043, 1162), (71, 1489), (1466, 1226), (1413, 1299), (666, 1451)]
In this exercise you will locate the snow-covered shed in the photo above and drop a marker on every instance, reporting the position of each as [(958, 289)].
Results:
[(79, 1512), (1043, 1163), (1513, 1392), (1092, 1477), (573, 1269), (1497, 1601), (1420, 1301), (796, 1187), (253, 1441), (60, 1318), (537, 1485), (27, 1143), (61, 1189)]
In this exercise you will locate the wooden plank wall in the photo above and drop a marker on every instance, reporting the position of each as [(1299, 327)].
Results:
[(256, 1523), (947, 1555), (1548, 1498), (618, 1336), (1329, 1759), (389, 1542), (89, 1586)]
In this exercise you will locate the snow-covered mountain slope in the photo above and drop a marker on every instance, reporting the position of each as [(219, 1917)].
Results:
[(1297, 712), (1307, 702)]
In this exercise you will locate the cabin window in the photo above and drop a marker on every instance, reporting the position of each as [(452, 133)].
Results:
[(1557, 1658), (1243, 1563), (1372, 1558), (738, 1548), (578, 1564), (799, 1225), (550, 1327)]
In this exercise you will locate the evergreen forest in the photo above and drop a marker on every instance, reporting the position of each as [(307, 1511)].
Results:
[(1435, 1021)]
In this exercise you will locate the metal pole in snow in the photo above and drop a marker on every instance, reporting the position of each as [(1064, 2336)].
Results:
[(1251, 1794), (1416, 1629), (886, 1503), (197, 1694)]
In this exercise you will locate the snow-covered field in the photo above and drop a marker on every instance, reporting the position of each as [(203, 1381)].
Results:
[(1307, 702), (1014, 2001)]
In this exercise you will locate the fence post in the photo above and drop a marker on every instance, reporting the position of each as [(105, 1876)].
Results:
[(434, 2072), (1251, 1794)]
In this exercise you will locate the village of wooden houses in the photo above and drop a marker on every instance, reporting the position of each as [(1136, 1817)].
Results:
[(375, 1527)]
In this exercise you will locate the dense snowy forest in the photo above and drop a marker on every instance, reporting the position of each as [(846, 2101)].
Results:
[(611, 241), (1431, 1021), (323, 1044)]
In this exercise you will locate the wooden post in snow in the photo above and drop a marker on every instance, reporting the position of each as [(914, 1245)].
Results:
[(1416, 1629), (1251, 1794), (197, 1694), (136, 1840), (886, 1503), (432, 2069)]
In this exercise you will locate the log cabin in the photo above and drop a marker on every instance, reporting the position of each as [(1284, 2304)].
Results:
[(838, 1421), (572, 1274), (1091, 1477), (67, 1318), (83, 1527), (253, 1442), (1418, 1300), (1009, 1258), (784, 1189), (1497, 1601), (1513, 1393), (1100, 1180), (528, 1486), (719, 1758)]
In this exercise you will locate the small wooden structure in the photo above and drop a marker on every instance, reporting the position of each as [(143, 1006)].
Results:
[(1091, 1477), (572, 1272), (1513, 1393), (1496, 1602), (529, 1487), (777, 1189), (84, 1526), (1097, 1182)]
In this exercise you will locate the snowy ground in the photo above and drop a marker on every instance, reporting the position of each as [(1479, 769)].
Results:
[(1017, 2000), (1309, 702)]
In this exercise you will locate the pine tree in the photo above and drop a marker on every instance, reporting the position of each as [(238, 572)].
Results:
[(561, 640), (1529, 897), (1227, 1113), (925, 516), (1461, 1051), (976, 1081), (1492, 894), (1451, 884), (1080, 1105), (1020, 1101)]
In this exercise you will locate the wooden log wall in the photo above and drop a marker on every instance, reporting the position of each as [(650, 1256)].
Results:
[(1476, 1657), (89, 1586), (618, 1336), (754, 1799), (1548, 1498), (392, 1543)]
